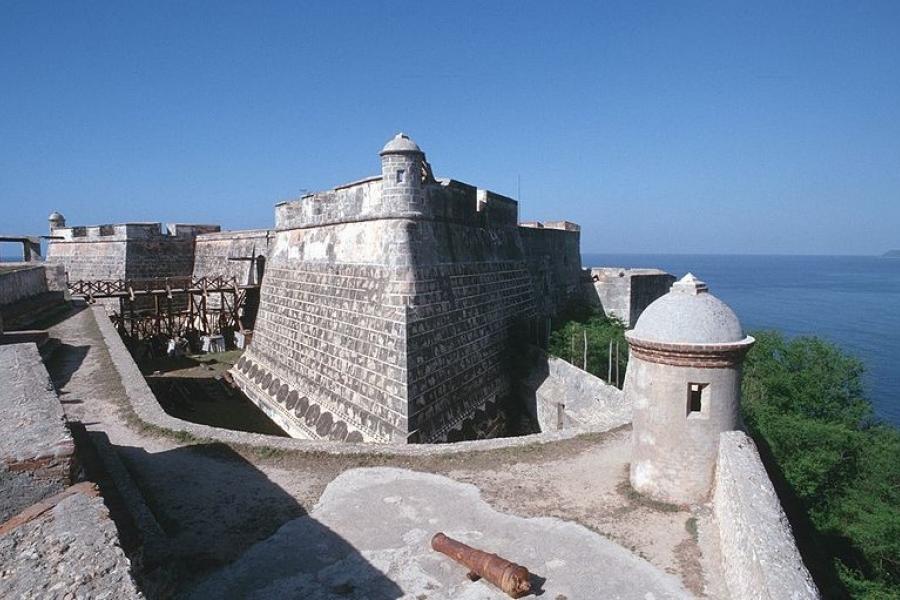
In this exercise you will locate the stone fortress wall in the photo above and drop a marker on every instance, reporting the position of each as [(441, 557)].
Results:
[(387, 306), (125, 251), (20, 281), (759, 556), (240, 254), (553, 253), (625, 293)]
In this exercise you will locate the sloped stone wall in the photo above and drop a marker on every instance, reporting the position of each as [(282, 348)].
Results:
[(559, 395), (37, 453), (759, 556), (232, 254), (553, 254), (22, 281)]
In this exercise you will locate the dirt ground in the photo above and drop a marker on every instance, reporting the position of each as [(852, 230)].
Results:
[(213, 502)]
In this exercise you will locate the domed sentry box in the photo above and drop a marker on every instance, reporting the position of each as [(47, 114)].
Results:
[(684, 384)]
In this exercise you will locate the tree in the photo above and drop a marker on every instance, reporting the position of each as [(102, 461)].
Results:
[(804, 403)]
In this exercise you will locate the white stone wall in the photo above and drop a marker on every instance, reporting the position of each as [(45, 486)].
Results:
[(759, 557), (25, 282), (674, 451), (587, 401)]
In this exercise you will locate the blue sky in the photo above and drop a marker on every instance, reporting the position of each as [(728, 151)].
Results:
[(674, 127)]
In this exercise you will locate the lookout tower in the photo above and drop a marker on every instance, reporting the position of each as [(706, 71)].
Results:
[(56, 221), (402, 168), (684, 382)]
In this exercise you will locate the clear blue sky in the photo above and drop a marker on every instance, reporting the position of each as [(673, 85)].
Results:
[(720, 127)]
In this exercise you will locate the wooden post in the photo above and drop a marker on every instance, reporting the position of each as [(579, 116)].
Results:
[(584, 362), (609, 363), (617, 364)]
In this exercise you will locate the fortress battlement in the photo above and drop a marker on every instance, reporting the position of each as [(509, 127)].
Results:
[(130, 231), (445, 200)]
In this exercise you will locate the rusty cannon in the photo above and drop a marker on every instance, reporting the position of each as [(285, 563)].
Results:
[(508, 576)]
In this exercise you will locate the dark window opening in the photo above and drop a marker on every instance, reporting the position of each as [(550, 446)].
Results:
[(695, 397), (400, 175)]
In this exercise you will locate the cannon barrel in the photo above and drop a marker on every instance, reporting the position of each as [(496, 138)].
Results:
[(508, 576)]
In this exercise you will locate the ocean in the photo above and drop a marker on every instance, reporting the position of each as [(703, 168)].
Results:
[(853, 301)]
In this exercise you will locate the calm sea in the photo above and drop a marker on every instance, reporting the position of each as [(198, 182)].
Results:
[(853, 301)]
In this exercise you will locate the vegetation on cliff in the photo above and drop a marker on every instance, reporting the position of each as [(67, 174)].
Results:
[(836, 469), (589, 333)]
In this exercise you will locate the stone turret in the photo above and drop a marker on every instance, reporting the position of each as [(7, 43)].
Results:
[(56, 220), (684, 382), (402, 167)]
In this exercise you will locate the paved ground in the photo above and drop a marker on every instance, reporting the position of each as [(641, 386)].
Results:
[(369, 537), (215, 504)]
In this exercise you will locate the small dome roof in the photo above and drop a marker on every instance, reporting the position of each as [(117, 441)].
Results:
[(400, 144), (688, 314), (55, 216)]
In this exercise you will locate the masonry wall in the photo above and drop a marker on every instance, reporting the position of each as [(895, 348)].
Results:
[(20, 282), (553, 254), (559, 395), (760, 559), (37, 454), (625, 293), (126, 251), (674, 453), (388, 321), (232, 254), (328, 353), (470, 288)]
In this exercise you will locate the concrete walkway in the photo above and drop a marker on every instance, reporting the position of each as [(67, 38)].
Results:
[(369, 537)]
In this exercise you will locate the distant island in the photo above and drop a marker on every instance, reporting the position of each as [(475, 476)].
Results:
[(891, 254)]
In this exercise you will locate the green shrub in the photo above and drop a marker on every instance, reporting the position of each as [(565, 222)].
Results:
[(567, 342), (803, 401)]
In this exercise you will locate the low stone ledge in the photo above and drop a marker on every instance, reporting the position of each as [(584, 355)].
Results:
[(37, 453), (560, 396), (147, 409), (760, 559), (64, 546)]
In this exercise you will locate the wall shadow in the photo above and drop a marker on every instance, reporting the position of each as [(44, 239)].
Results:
[(214, 507), (63, 362), (209, 401)]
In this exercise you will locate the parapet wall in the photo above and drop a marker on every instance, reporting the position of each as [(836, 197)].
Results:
[(445, 200), (126, 251), (559, 396), (37, 454), (625, 293), (238, 254), (21, 281), (759, 557), (553, 254)]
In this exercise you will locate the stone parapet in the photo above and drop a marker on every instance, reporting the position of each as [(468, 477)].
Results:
[(559, 395), (759, 557), (37, 453), (143, 403), (65, 546)]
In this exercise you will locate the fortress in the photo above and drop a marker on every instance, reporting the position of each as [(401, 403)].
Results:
[(388, 304), (391, 311)]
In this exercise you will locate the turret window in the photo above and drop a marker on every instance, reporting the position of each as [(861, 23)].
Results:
[(401, 175), (698, 400)]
